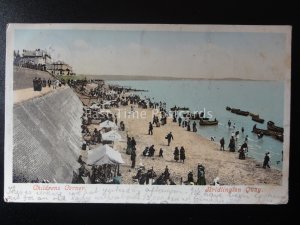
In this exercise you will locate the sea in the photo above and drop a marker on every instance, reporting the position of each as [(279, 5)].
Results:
[(265, 98)]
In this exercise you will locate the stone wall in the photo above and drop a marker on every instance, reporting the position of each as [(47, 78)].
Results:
[(23, 77), (47, 136)]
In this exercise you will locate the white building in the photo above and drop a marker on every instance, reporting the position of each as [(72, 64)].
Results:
[(60, 68), (36, 59)]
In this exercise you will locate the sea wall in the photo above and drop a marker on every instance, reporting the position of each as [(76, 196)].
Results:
[(23, 77), (47, 136)]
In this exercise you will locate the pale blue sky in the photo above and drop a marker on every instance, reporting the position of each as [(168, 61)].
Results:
[(163, 53)]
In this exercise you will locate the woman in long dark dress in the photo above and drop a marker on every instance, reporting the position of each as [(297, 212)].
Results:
[(182, 154), (176, 154)]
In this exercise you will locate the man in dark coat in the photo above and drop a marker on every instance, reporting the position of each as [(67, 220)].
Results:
[(150, 131), (266, 160), (161, 153), (151, 151), (133, 142), (169, 137), (179, 121), (129, 147), (222, 142)]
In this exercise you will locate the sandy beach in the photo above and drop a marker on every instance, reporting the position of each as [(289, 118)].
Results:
[(224, 165)]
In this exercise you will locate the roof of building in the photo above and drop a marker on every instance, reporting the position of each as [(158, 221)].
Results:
[(35, 53)]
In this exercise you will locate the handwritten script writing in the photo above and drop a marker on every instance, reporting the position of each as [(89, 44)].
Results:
[(144, 194)]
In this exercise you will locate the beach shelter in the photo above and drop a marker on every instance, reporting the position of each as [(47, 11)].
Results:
[(111, 136), (108, 124), (104, 155)]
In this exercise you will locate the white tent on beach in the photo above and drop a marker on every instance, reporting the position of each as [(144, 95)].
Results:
[(104, 155), (108, 124), (111, 136)]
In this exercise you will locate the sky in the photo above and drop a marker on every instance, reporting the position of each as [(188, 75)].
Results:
[(183, 54)]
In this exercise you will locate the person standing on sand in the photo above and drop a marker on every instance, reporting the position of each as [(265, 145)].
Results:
[(194, 127), (266, 160), (129, 147), (150, 131), (166, 173), (133, 157), (188, 126), (169, 137), (133, 142), (176, 154), (151, 151), (222, 142), (182, 154), (242, 153), (161, 153), (201, 175), (232, 144), (179, 121)]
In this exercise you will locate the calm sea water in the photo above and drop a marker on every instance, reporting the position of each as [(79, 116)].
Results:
[(265, 98)]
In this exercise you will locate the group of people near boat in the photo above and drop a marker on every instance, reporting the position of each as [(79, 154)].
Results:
[(185, 123), (244, 147)]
